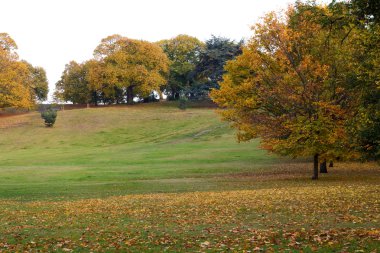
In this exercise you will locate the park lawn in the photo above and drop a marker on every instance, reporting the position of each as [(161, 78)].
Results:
[(120, 150), (151, 178)]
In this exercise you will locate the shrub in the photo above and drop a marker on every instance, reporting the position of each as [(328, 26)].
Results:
[(182, 103), (49, 116)]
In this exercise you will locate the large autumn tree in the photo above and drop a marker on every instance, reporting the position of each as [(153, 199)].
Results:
[(183, 52), (21, 84), (290, 85), (135, 66)]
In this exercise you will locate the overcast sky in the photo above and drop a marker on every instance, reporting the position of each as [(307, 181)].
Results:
[(50, 33)]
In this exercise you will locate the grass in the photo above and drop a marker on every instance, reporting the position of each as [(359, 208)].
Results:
[(119, 150), (152, 178)]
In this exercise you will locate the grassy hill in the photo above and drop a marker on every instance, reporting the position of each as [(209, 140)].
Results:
[(153, 178), (120, 150)]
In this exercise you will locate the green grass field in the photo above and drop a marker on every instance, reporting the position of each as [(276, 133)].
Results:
[(121, 150), (152, 178)]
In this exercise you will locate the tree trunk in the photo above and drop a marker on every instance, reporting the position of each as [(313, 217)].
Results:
[(331, 164), (130, 95), (95, 98), (315, 175), (323, 167), (172, 95)]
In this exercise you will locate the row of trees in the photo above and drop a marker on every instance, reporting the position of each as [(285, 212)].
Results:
[(21, 84), (124, 68), (307, 83)]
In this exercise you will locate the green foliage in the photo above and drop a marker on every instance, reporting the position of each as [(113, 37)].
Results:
[(365, 130), (49, 116), (182, 102), (213, 57), (39, 82), (73, 85), (183, 52), (368, 87), (366, 10), (363, 16)]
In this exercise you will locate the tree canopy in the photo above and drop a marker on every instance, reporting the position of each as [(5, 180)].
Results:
[(121, 67), (295, 85), (73, 85), (213, 57), (21, 84), (183, 52), (137, 66)]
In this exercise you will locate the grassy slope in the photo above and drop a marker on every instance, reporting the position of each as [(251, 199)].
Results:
[(76, 183), (120, 150)]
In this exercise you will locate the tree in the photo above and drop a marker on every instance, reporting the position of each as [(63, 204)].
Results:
[(39, 82), (96, 80), (213, 57), (368, 10), (73, 85), (183, 52), (364, 16), (290, 85), (49, 116), (15, 85), (8, 47), (366, 126), (134, 66), (99, 89)]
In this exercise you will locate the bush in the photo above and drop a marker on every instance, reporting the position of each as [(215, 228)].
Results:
[(182, 103), (49, 116)]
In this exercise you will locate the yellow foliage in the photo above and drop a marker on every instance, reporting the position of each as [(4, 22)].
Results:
[(16, 86), (139, 66)]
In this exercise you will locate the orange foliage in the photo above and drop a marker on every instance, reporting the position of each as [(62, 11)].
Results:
[(288, 85)]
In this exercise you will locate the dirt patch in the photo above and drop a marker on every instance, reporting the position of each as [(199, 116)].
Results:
[(8, 115), (14, 120), (351, 171)]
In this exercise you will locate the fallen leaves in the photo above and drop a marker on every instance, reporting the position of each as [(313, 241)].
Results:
[(297, 218)]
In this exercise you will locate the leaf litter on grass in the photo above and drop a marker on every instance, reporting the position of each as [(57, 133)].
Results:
[(340, 218)]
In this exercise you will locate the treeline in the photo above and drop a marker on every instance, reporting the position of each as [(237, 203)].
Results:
[(21, 84), (124, 69), (308, 82)]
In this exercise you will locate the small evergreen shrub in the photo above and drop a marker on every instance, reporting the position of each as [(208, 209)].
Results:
[(49, 117), (182, 103)]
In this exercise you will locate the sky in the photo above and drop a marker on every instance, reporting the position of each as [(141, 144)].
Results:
[(51, 33)]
